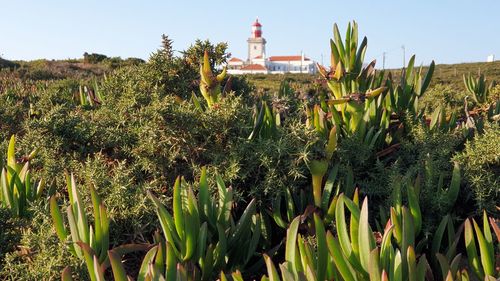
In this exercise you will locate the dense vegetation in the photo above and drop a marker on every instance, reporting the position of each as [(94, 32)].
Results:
[(171, 169)]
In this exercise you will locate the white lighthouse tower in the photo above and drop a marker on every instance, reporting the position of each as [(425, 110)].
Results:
[(256, 43)]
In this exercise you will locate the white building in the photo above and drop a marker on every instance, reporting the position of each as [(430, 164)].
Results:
[(490, 58), (258, 63)]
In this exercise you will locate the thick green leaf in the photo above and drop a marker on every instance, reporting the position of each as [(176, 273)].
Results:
[(171, 266), (435, 118), (6, 193), (454, 189), (276, 212), (89, 257), (117, 267), (148, 259), (428, 77), (225, 202), (244, 222), (339, 258), (57, 219), (254, 241), (438, 237), (422, 267), (322, 253), (97, 221), (397, 268), (177, 209), (374, 268), (488, 237), (327, 190), (470, 246), (192, 226), (487, 258), (291, 252), (74, 230), (386, 247), (167, 224), (202, 240), (104, 231), (412, 264), (221, 247), (366, 239), (271, 269), (415, 209), (79, 213), (11, 153), (203, 197)]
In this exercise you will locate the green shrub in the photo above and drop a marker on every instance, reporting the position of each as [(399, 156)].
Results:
[(481, 163), (445, 96), (37, 255)]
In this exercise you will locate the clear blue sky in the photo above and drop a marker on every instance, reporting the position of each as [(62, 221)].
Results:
[(444, 30)]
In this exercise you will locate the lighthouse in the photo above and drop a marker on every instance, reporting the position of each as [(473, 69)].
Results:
[(258, 62), (256, 43)]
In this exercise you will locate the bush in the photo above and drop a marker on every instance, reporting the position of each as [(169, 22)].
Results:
[(38, 255), (481, 163), (93, 58), (445, 96)]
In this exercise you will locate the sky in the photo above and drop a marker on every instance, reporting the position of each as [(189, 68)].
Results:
[(447, 31)]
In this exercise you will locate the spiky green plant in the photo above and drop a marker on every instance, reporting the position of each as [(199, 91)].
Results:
[(90, 97), (441, 122), (444, 256), (364, 103), (303, 261), (353, 253), (202, 233), (210, 84), (17, 189), (323, 149), (297, 204), (404, 97), (448, 195), (80, 232), (96, 269), (266, 121), (482, 263), (477, 88)]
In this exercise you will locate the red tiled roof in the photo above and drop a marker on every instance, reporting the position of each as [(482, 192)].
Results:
[(254, 67), (287, 58), (235, 60)]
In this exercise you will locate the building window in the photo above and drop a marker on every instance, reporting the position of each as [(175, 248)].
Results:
[(255, 47)]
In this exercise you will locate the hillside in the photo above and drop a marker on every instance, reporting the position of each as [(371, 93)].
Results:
[(452, 74), (446, 74), (60, 69)]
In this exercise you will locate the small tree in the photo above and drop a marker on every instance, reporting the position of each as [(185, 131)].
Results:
[(165, 54)]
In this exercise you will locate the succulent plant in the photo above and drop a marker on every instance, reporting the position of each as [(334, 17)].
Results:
[(477, 88), (17, 189), (203, 232), (80, 232), (210, 84)]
